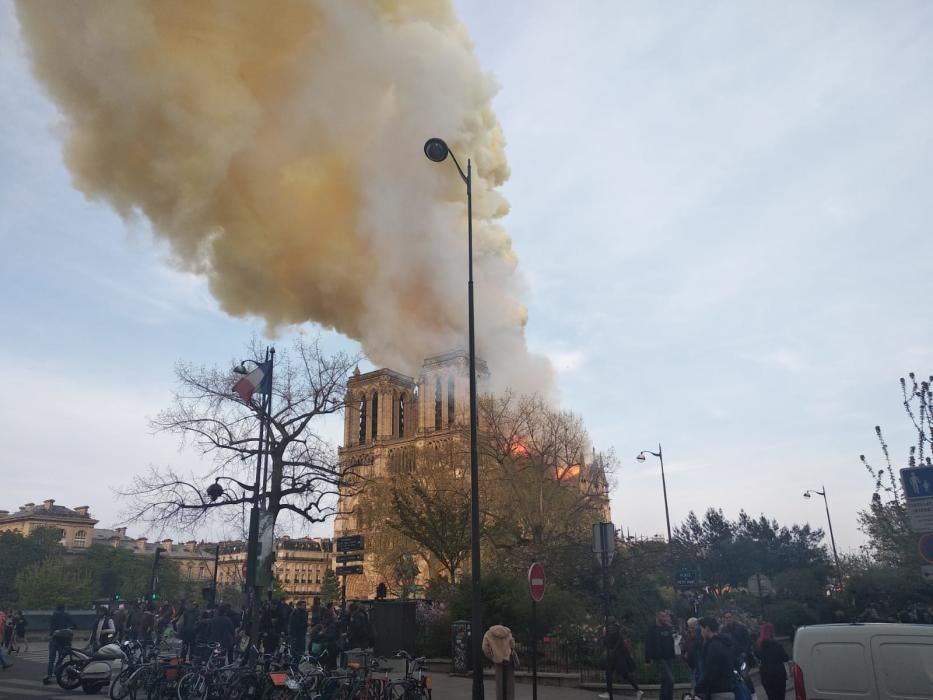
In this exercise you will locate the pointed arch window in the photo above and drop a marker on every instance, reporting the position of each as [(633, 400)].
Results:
[(375, 428), (451, 406), (362, 410), (401, 415), (438, 406)]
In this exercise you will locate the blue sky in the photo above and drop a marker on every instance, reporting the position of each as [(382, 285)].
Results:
[(721, 213)]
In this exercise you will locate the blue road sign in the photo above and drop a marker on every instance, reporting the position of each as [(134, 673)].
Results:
[(918, 482), (925, 545)]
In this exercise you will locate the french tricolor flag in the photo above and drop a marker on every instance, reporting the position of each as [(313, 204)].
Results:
[(258, 379)]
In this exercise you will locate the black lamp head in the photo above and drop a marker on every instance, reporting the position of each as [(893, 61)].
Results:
[(215, 491), (436, 149)]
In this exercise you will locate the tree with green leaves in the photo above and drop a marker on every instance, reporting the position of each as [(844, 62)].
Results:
[(728, 552), (18, 552), (46, 583), (330, 587)]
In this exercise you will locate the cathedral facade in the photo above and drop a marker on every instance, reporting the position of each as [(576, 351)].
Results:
[(390, 419)]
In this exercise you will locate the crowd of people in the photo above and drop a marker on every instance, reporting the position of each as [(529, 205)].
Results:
[(716, 652), (284, 628)]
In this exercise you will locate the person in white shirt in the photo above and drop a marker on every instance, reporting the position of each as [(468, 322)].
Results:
[(104, 629)]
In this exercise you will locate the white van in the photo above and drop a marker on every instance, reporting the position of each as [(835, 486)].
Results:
[(871, 661)]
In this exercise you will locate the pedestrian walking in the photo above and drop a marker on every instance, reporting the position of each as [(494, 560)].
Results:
[(3, 620), (187, 627), (619, 659), (19, 630), (6, 634), (359, 631), (659, 650), (717, 681), (499, 647), (222, 630), (60, 626), (773, 658), (692, 651), (298, 630)]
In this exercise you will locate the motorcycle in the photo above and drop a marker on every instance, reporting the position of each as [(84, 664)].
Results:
[(91, 670)]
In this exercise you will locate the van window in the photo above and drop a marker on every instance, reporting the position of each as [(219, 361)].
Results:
[(841, 670), (904, 666)]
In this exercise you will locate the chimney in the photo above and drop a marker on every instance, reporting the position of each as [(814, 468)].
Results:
[(48, 503), (140, 544), (115, 542), (82, 511), (28, 506), (121, 532), (167, 545), (189, 546)]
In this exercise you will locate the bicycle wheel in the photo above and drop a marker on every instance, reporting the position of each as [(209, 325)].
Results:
[(192, 686), (138, 683), (244, 687)]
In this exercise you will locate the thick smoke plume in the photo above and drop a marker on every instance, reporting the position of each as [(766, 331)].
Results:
[(277, 148)]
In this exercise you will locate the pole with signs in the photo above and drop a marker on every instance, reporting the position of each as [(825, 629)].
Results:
[(604, 547), (536, 589)]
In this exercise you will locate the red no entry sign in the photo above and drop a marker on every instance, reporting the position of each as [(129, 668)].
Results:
[(925, 545), (536, 582)]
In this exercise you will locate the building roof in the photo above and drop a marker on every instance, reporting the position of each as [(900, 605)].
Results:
[(47, 510)]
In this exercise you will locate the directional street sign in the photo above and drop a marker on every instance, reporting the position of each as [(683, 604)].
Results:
[(918, 492), (345, 558), (349, 570), (687, 578), (349, 543), (925, 545), (604, 541)]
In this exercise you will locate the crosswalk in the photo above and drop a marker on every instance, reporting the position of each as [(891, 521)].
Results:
[(21, 688), (36, 652)]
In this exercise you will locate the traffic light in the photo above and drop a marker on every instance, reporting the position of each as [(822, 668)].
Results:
[(155, 596), (116, 596)]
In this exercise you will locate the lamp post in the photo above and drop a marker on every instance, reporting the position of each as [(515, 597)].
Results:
[(252, 544), (437, 150), (832, 538), (660, 455)]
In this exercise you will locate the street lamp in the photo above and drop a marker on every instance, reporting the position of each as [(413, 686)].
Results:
[(660, 455), (832, 538), (437, 150), (252, 544)]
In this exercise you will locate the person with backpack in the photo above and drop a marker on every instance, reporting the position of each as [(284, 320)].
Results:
[(59, 622), (619, 659)]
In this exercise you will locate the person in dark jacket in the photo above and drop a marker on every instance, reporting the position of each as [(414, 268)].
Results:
[(772, 655), (659, 649), (60, 620), (298, 630), (359, 631), (619, 659), (741, 638), (222, 631), (717, 681)]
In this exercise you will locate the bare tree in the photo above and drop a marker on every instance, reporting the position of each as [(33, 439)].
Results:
[(304, 476), (543, 487), (886, 522)]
